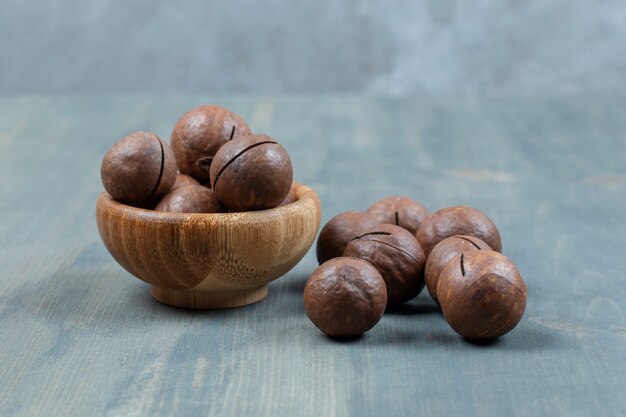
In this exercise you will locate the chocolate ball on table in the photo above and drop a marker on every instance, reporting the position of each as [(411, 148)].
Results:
[(345, 297), (401, 211), (190, 199), (200, 133), (458, 220), (251, 172), (182, 180), (482, 294), (443, 252), (340, 230), (397, 255), (139, 169)]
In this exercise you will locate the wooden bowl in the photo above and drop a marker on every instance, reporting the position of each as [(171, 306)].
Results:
[(212, 260)]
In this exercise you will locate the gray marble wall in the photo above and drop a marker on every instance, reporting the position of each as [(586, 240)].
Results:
[(427, 47)]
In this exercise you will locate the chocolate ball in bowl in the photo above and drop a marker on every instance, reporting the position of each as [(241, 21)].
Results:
[(251, 172), (200, 133), (190, 199), (139, 169), (182, 180), (291, 195)]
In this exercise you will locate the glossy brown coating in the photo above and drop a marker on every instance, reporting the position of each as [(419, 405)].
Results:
[(397, 255), (139, 169), (340, 230), (200, 133), (251, 172), (482, 294), (443, 252), (190, 199), (458, 220), (345, 297), (182, 180), (399, 210)]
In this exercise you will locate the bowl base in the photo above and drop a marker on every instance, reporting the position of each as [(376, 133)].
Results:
[(208, 300)]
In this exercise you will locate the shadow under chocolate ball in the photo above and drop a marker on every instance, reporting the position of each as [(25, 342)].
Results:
[(396, 254), (251, 173), (200, 133)]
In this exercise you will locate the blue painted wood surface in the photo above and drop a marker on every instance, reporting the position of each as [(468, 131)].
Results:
[(80, 336)]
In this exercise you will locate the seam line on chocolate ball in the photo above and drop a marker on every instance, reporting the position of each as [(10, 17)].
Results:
[(156, 187), (467, 240), (396, 248), (373, 234), (232, 133), (219, 173), (357, 259), (359, 291), (462, 265)]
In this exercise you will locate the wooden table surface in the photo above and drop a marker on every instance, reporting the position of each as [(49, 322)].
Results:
[(79, 336)]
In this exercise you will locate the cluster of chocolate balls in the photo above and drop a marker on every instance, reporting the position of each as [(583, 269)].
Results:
[(214, 164), (382, 257)]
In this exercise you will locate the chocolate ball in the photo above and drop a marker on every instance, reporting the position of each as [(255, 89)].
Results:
[(291, 195), (190, 199), (340, 230), (345, 297), (200, 133), (139, 169), (396, 254), (251, 172), (443, 252), (458, 220), (482, 294), (401, 211), (182, 180)]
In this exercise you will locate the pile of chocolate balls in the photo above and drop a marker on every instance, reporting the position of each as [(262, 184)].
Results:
[(368, 260), (383, 257), (214, 164)]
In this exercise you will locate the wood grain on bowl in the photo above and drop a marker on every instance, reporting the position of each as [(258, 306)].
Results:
[(209, 260)]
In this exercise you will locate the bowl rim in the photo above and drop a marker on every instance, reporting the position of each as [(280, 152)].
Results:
[(305, 198)]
